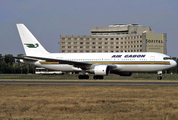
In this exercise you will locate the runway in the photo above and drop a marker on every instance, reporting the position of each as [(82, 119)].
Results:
[(90, 82)]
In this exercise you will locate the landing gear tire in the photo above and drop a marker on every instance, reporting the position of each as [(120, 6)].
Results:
[(159, 78), (83, 77), (98, 77)]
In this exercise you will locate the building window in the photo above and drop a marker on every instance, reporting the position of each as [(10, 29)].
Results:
[(81, 42), (81, 46), (69, 42), (63, 42), (69, 46), (121, 42), (75, 42), (93, 46), (112, 38), (111, 42), (117, 42), (99, 42), (140, 41), (111, 47), (63, 50), (93, 51), (117, 38), (63, 46), (106, 38), (75, 51), (87, 46), (100, 38), (81, 50), (69, 50), (117, 46), (93, 42), (106, 42), (106, 47), (63, 38), (93, 38), (100, 47), (87, 43), (75, 46)]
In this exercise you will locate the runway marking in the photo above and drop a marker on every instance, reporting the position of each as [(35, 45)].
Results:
[(88, 83), (30, 80)]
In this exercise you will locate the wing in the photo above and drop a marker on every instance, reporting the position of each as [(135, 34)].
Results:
[(83, 65), (24, 58)]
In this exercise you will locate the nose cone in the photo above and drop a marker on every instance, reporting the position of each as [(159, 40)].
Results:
[(173, 63)]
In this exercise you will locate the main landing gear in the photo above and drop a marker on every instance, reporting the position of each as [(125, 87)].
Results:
[(83, 77), (159, 75), (96, 77)]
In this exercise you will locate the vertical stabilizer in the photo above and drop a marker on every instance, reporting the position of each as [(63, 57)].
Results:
[(31, 45)]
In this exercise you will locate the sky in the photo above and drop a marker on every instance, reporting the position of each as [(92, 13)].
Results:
[(48, 19)]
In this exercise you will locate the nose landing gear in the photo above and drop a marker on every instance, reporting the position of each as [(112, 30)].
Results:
[(159, 75)]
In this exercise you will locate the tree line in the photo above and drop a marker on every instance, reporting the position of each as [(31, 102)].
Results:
[(10, 65)]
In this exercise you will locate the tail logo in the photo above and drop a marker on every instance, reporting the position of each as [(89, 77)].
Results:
[(32, 45)]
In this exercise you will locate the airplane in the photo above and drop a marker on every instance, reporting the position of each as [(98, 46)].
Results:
[(99, 64)]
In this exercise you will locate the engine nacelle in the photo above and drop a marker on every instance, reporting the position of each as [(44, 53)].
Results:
[(101, 70)]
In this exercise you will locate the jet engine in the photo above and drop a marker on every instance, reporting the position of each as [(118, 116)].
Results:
[(101, 70)]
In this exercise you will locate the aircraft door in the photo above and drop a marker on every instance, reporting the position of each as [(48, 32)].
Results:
[(152, 58)]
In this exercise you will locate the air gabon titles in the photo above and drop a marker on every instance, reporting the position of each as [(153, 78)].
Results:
[(128, 56)]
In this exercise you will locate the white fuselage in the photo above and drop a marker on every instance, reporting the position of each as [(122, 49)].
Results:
[(125, 62)]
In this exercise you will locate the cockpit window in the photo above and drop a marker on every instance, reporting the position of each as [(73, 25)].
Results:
[(167, 58)]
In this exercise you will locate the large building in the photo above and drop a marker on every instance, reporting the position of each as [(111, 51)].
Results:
[(115, 38)]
